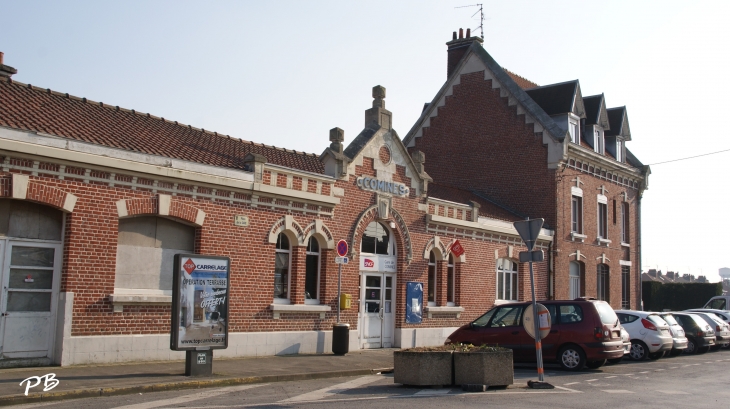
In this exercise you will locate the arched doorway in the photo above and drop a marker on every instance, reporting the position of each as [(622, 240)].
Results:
[(377, 299), (30, 270)]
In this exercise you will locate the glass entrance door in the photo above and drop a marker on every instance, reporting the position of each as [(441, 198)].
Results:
[(377, 310), (30, 280)]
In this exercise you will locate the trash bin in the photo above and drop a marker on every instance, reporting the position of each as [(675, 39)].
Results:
[(340, 339)]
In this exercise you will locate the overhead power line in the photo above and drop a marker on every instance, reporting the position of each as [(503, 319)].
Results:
[(689, 157)]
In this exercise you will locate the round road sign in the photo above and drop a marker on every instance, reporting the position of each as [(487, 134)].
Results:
[(342, 248), (544, 321)]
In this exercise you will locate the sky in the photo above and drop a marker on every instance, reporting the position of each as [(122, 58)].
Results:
[(283, 73)]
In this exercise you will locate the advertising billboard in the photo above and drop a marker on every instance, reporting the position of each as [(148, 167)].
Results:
[(414, 302), (200, 302)]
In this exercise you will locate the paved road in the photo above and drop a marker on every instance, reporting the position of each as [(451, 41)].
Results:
[(684, 381)]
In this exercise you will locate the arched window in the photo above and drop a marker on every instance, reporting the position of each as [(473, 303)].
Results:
[(574, 280), (506, 280), (603, 292), (311, 281), (451, 283), (376, 240), (432, 279), (281, 270)]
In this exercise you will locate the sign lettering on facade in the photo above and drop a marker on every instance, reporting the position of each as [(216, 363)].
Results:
[(387, 264), (201, 287), (240, 220), (368, 183)]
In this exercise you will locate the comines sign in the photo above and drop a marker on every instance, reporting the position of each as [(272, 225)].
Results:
[(200, 291), (368, 183)]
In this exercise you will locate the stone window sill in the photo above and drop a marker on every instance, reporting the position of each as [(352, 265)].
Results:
[(299, 309), (120, 300), (602, 241), (577, 236), (444, 310), (625, 244)]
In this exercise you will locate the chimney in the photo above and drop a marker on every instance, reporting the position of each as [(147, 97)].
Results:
[(457, 48), (377, 116), (6, 70)]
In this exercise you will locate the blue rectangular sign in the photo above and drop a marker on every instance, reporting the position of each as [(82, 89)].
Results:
[(414, 302)]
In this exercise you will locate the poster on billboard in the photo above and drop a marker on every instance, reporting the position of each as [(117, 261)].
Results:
[(200, 292), (414, 302)]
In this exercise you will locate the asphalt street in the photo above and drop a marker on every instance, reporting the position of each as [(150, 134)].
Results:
[(684, 381)]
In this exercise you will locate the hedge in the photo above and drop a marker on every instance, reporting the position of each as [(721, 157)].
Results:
[(677, 296)]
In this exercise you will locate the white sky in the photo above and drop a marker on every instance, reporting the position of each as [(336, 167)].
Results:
[(285, 72)]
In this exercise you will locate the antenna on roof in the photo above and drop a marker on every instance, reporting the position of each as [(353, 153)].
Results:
[(481, 16)]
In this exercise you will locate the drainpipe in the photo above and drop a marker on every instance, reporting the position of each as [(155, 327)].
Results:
[(640, 305)]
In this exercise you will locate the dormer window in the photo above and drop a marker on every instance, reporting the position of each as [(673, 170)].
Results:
[(574, 132), (619, 150), (600, 143)]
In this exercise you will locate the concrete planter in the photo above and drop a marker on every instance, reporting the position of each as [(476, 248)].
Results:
[(493, 368), (423, 368)]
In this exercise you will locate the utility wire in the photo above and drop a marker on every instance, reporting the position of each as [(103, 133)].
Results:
[(690, 157)]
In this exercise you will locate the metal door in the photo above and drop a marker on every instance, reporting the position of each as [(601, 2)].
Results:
[(30, 281), (377, 310)]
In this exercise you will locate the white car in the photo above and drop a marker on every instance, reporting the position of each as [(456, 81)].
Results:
[(678, 338), (626, 338), (650, 335)]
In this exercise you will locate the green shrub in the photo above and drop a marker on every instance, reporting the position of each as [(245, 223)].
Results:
[(677, 296)]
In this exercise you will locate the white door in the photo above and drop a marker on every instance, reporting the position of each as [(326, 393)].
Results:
[(30, 281), (574, 280), (377, 310)]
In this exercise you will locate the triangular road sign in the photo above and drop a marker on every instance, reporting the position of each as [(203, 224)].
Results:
[(528, 230)]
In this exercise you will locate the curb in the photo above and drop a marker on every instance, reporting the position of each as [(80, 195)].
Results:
[(37, 397)]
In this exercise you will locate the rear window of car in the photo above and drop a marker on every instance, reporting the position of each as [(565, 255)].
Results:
[(608, 316), (700, 321), (626, 318), (670, 319), (570, 313), (657, 320)]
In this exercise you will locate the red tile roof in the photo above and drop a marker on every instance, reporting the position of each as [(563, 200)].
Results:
[(487, 209), (42, 110), (521, 81)]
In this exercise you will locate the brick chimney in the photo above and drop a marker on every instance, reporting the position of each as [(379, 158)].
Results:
[(6, 70), (457, 48)]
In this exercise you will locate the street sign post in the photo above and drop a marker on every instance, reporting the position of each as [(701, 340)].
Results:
[(342, 260), (544, 321), (529, 231), (342, 249)]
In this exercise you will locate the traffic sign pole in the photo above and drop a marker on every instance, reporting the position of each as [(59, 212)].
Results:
[(538, 342), (342, 248)]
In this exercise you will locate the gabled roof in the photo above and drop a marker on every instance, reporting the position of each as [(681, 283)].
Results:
[(632, 160), (559, 98), (618, 119), (508, 84), (596, 111), (488, 208), (29, 108), (523, 82)]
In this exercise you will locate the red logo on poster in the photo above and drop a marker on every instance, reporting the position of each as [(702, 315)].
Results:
[(368, 263), (456, 249), (189, 266)]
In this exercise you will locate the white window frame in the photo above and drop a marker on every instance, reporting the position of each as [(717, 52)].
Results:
[(576, 219), (599, 284), (602, 226), (319, 271), (391, 241), (624, 216), (513, 280), (573, 281), (619, 150), (433, 264), (287, 300), (574, 130), (599, 145), (450, 266)]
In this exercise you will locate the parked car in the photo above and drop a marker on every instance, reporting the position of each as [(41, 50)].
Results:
[(584, 332), (678, 338), (722, 330), (700, 336), (627, 346), (650, 335), (723, 314), (720, 302)]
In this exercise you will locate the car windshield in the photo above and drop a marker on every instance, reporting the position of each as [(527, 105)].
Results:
[(669, 318), (484, 319), (657, 320), (608, 316), (700, 321)]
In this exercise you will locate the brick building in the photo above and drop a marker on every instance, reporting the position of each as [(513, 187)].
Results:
[(542, 151), (95, 200)]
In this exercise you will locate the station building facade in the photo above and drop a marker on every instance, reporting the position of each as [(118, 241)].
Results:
[(95, 200)]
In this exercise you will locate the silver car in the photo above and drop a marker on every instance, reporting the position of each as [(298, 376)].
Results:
[(722, 330), (626, 338), (678, 338)]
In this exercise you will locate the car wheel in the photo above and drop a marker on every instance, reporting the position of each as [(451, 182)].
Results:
[(703, 350), (638, 351), (691, 347), (571, 358), (595, 364), (614, 360), (656, 355)]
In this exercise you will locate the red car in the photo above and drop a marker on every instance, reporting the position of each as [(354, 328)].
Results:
[(583, 332)]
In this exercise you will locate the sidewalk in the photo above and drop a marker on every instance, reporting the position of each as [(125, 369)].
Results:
[(89, 380)]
